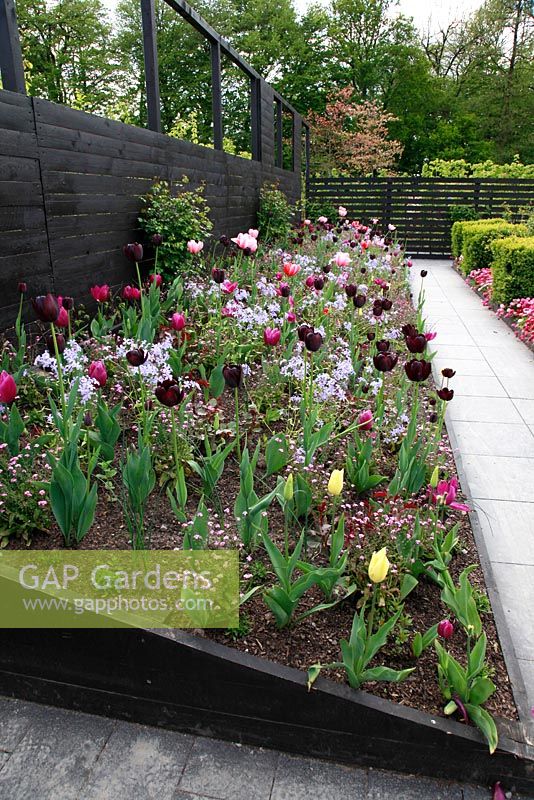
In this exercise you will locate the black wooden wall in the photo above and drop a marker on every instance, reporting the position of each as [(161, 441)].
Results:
[(70, 187)]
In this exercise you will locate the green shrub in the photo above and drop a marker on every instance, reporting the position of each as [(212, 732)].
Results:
[(320, 208), (512, 268), (178, 215), (275, 214), (463, 213), (459, 168), (476, 247), (458, 228)]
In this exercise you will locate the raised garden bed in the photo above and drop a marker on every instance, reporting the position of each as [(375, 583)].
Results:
[(306, 370)]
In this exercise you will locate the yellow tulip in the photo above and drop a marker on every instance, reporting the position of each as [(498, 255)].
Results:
[(335, 484), (379, 566)]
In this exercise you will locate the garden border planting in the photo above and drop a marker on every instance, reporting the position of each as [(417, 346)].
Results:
[(145, 676)]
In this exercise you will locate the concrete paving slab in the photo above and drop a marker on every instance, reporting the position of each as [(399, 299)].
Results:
[(500, 477), (487, 438), (384, 786), (54, 759), (478, 386), (140, 763), (487, 409), (295, 775), (525, 409), (508, 529), (515, 583), (521, 385), (15, 721), (464, 367), (229, 772)]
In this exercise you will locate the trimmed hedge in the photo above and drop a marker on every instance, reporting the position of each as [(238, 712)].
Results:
[(512, 268), (458, 228), (477, 239)]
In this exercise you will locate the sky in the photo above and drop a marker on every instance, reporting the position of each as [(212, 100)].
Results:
[(439, 11)]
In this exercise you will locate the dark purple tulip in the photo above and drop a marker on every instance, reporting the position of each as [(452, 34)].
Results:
[(327, 268), (46, 307), (217, 275), (416, 343), (22, 287), (377, 309), (382, 346), (432, 401), (409, 330), (350, 290), (225, 241), (313, 341), (424, 273), (359, 301), (133, 251), (318, 283), (157, 239), (353, 244), (303, 331), (68, 303), (169, 393), (136, 357), (61, 343), (334, 239), (313, 237), (417, 370), (363, 270), (386, 304), (448, 372), (87, 419), (384, 362), (370, 336), (433, 417), (285, 290), (233, 375), (445, 393)]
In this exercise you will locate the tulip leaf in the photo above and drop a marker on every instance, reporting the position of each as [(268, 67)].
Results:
[(408, 584), (217, 381), (386, 674), (481, 690), (484, 721), (276, 453)]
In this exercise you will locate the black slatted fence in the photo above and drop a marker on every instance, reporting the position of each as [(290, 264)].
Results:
[(420, 208)]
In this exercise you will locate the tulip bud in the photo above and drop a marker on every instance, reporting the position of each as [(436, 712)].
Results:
[(133, 251), (157, 239), (424, 273), (313, 341), (335, 484), (288, 488), (136, 357), (434, 477), (46, 307), (217, 275), (22, 287), (378, 566), (68, 303), (8, 388), (445, 629), (232, 374), (60, 341)]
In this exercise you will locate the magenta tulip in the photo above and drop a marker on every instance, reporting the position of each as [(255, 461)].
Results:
[(445, 629), (100, 293), (365, 420), (178, 321), (271, 336), (98, 372), (62, 320), (8, 388), (131, 293), (156, 278)]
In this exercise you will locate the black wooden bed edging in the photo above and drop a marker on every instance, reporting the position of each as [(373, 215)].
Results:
[(185, 682)]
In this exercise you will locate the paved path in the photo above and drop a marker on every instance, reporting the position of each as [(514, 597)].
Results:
[(491, 423), (54, 754)]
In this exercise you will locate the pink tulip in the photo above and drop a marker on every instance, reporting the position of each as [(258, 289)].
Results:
[(342, 259), (195, 247), (342, 211), (229, 287), (8, 388), (291, 269), (63, 318), (100, 293), (291, 316), (445, 629), (365, 420), (498, 793), (227, 312), (131, 293), (323, 220), (253, 232), (307, 222), (155, 278), (391, 227), (178, 321), (246, 242), (97, 371), (271, 336), (445, 494), (431, 335)]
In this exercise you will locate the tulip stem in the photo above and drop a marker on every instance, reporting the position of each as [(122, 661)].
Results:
[(237, 438), (371, 617), (60, 380), (174, 446)]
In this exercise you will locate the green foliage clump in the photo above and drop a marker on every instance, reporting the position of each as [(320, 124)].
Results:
[(461, 226), (177, 217), (320, 208), (512, 268), (477, 239), (460, 168), (463, 213), (275, 214)]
